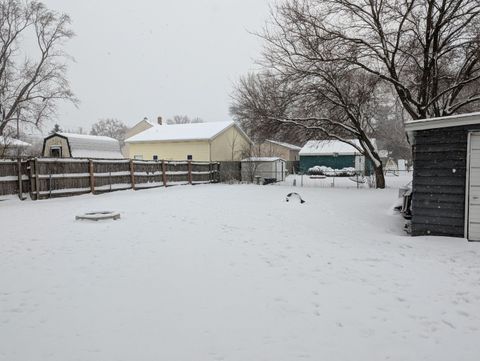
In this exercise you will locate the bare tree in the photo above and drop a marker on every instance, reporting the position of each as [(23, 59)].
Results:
[(334, 102), (326, 61), (183, 119), (111, 128), (32, 80), (428, 50), (390, 120)]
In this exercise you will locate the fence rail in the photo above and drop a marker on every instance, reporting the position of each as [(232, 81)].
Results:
[(53, 177)]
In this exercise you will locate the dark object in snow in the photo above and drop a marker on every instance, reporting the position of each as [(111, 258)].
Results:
[(295, 195), (406, 209), (269, 181), (98, 216)]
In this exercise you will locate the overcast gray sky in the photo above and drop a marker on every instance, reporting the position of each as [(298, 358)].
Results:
[(157, 57)]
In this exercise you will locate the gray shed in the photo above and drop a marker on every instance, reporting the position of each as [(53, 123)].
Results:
[(446, 176), (264, 168)]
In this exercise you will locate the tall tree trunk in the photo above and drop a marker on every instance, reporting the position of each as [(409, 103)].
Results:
[(379, 177)]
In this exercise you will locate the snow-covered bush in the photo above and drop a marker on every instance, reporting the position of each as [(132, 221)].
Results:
[(322, 170)]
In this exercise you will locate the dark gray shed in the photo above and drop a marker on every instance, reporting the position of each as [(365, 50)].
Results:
[(446, 176)]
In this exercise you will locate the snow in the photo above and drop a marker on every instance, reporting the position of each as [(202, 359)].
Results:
[(262, 159), (12, 142), (93, 146), (87, 137), (320, 169), (177, 132), (112, 174), (64, 175), (232, 272), (12, 178), (330, 147), (286, 145)]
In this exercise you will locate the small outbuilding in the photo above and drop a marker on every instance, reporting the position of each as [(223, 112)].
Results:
[(446, 176), (69, 145), (333, 154), (271, 169), (286, 151), (11, 147)]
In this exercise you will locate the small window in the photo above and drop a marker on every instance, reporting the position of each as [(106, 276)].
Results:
[(56, 152), (138, 157), (155, 157), (189, 157)]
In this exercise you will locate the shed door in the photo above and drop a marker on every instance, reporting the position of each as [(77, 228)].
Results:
[(474, 189), (359, 163)]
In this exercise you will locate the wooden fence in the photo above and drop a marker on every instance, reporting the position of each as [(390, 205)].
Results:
[(60, 177)]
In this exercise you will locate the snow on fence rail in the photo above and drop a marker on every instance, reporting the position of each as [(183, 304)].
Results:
[(52, 177)]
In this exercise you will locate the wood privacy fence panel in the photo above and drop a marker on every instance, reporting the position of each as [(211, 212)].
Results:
[(148, 174), (53, 177), (59, 177), (110, 175), (10, 172), (177, 173)]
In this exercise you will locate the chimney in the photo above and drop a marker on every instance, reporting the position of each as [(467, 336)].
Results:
[(159, 120)]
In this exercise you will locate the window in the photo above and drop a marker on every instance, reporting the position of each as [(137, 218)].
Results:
[(56, 151), (189, 157), (139, 157), (155, 157)]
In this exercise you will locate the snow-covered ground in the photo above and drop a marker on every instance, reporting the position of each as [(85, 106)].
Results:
[(232, 272)]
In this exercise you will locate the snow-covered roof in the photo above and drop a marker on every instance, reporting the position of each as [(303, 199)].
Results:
[(443, 122), (262, 159), (330, 147), (92, 146), (286, 145), (12, 142), (181, 132)]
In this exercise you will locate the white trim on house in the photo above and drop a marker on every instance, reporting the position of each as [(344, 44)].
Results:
[(443, 122), (467, 188)]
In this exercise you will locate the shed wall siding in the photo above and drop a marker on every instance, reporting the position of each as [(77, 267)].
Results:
[(56, 141), (439, 181)]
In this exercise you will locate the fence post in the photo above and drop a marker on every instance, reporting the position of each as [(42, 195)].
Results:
[(132, 174), (20, 179), (32, 178), (92, 176), (190, 172), (37, 179), (164, 173)]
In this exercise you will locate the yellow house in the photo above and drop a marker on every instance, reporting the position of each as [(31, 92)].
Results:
[(215, 141), (137, 128)]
